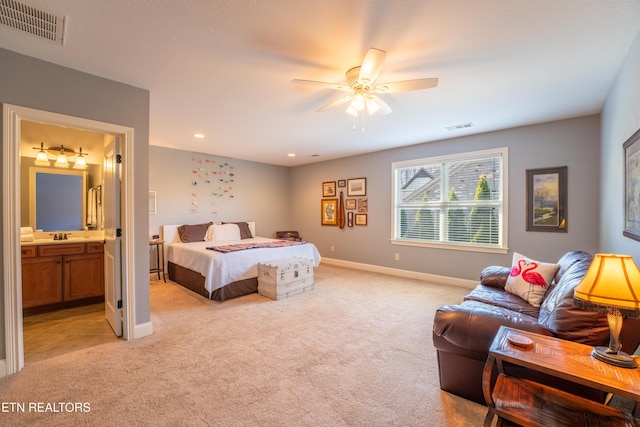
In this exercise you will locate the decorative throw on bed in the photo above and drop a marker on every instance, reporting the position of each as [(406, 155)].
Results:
[(242, 246)]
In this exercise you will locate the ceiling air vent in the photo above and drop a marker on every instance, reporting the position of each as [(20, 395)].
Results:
[(32, 20), (462, 126)]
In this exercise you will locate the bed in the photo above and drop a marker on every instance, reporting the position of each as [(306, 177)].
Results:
[(220, 276)]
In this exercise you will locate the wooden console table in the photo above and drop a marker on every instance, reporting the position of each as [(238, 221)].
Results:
[(529, 403)]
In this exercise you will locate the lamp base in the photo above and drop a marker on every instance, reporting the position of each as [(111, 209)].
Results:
[(621, 359)]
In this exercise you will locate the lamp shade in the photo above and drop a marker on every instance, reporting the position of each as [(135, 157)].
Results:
[(611, 285)]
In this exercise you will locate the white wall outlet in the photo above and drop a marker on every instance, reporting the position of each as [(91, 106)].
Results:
[(397, 257), (332, 249)]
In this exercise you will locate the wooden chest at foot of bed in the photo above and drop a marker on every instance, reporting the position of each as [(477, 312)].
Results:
[(285, 277)]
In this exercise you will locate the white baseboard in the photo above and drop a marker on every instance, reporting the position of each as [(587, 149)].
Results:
[(433, 278), (3, 368), (142, 330)]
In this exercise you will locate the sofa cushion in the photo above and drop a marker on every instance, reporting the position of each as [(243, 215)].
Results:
[(529, 278), (500, 298), (567, 321)]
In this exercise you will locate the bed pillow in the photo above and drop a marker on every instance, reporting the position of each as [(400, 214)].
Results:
[(224, 232), (193, 232), (245, 232), (209, 234), (530, 279)]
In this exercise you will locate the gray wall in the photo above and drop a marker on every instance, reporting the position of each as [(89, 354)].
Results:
[(620, 119), (37, 84), (573, 143), (260, 192)]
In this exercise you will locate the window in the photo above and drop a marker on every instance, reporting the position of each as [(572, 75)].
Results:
[(455, 201)]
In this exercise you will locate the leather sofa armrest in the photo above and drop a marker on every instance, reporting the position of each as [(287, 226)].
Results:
[(495, 276), (472, 325)]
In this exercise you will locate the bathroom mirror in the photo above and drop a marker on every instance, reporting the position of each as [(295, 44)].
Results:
[(57, 199)]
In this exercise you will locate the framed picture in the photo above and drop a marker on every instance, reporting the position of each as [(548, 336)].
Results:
[(329, 212), (350, 204), (152, 203), (361, 219), (363, 204), (357, 187), (350, 219), (547, 199), (342, 183), (329, 189), (632, 186)]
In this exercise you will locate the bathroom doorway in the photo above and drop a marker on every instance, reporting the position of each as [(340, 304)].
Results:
[(14, 322)]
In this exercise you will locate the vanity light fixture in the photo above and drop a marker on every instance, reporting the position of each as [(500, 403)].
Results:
[(80, 163), (61, 160), (41, 157), (62, 154)]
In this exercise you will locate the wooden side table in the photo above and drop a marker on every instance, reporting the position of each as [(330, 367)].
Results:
[(159, 245), (528, 403)]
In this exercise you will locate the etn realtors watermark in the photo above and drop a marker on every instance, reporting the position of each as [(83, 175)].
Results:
[(42, 407)]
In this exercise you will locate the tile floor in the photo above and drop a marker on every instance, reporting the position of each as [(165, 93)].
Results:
[(58, 332)]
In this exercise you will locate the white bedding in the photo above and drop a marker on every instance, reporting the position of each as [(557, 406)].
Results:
[(220, 269)]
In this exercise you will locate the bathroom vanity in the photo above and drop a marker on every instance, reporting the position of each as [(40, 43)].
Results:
[(62, 273)]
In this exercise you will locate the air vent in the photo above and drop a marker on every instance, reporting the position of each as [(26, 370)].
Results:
[(32, 20), (462, 126)]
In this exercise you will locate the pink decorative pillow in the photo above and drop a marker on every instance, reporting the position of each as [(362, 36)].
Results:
[(530, 279)]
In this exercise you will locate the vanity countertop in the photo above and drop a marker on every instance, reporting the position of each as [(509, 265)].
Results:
[(50, 241)]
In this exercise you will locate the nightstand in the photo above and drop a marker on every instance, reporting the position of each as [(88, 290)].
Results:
[(159, 245), (529, 403)]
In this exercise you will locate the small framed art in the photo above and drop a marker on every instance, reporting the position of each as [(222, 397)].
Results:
[(329, 189), (350, 204), (361, 219), (357, 187), (342, 183)]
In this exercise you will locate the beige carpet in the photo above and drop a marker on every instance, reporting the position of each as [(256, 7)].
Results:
[(355, 351)]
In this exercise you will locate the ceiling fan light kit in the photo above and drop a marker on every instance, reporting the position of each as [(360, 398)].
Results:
[(361, 82)]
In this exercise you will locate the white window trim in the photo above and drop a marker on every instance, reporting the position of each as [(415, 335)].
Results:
[(504, 151)]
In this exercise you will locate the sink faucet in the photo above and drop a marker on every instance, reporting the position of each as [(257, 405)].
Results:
[(60, 236)]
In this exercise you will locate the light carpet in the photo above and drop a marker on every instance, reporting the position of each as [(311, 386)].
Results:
[(354, 351)]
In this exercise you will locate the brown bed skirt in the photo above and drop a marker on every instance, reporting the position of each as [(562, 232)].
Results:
[(194, 281)]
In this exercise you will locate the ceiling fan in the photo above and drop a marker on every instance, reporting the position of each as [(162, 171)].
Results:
[(361, 82)]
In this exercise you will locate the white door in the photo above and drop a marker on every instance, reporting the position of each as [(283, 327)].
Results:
[(112, 234)]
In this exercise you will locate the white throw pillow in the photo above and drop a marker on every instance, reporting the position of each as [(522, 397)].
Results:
[(225, 232), (209, 234), (530, 279)]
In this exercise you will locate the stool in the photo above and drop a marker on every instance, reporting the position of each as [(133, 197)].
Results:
[(159, 244)]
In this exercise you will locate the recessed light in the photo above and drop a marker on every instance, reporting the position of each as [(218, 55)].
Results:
[(198, 135), (291, 154)]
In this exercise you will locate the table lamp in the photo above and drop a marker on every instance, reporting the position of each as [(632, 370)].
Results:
[(611, 286)]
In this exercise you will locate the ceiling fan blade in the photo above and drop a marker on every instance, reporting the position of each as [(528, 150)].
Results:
[(322, 84), (406, 85), (372, 64), (337, 102), (375, 104)]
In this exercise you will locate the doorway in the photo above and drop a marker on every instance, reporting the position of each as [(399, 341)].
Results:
[(12, 274)]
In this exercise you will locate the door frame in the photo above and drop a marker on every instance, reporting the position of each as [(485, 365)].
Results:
[(12, 274)]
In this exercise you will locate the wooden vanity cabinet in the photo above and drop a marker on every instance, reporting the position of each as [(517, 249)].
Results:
[(61, 273)]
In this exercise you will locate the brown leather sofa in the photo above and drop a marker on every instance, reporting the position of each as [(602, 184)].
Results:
[(463, 333)]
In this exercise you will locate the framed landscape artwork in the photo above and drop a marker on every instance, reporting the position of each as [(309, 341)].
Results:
[(632, 186), (547, 199), (357, 187)]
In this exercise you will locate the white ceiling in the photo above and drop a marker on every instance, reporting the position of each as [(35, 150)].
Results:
[(224, 67)]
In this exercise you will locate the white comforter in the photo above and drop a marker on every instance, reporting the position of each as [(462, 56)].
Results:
[(220, 269)]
